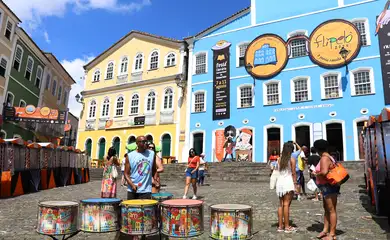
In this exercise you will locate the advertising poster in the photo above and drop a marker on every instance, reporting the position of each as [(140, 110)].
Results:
[(383, 31), (31, 113), (219, 143)]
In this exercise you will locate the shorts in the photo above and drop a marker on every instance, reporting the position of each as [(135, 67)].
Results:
[(274, 164), (201, 173), (300, 177), (133, 195), (123, 173), (327, 189), (191, 175)]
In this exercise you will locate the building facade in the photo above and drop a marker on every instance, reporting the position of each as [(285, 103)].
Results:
[(71, 131), (131, 90), (302, 102)]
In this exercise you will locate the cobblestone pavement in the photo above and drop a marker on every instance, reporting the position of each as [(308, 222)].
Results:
[(18, 215)]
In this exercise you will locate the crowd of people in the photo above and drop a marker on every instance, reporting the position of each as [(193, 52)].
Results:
[(287, 177), (141, 167)]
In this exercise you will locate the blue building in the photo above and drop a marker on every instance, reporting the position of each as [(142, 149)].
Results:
[(304, 102)]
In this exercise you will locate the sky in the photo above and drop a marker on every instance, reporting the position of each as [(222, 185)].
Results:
[(78, 30)]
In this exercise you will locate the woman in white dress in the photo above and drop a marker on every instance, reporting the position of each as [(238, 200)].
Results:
[(285, 187)]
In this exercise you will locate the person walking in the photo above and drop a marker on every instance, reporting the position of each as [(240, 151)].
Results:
[(139, 171), (110, 174), (202, 169), (300, 178), (273, 161), (192, 173), (329, 192), (285, 186), (123, 169), (157, 169)]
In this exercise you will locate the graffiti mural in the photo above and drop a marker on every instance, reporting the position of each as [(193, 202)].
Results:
[(230, 142), (244, 146)]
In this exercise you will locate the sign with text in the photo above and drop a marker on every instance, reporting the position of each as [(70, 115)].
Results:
[(384, 49), (31, 113), (219, 144), (126, 122), (221, 80), (267, 55), (328, 40)]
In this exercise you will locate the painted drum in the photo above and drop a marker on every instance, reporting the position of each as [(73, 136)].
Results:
[(182, 218), (139, 217), (162, 196), (231, 221), (99, 215), (57, 217)]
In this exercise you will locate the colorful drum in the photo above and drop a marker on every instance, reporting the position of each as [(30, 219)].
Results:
[(162, 196), (231, 221), (57, 217), (182, 218), (99, 215), (139, 217)]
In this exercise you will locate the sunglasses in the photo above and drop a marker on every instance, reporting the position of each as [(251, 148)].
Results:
[(151, 148)]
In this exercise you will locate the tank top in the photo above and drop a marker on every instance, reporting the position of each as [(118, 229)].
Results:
[(322, 179), (141, 165)]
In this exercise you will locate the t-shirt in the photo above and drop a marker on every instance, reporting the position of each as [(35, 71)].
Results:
[(313, 160), (202, 165), (296, 156), (141, 165), (123, 164), (192, 162)]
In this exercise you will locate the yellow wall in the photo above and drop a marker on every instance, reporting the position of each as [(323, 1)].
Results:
[(99, 91)]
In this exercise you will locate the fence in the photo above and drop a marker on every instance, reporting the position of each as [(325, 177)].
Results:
[(27, 168)]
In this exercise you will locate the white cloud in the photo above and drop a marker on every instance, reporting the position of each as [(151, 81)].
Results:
[(46, 36), (75, 69), (32, 11)]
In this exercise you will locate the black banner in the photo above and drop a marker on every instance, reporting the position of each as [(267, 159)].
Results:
[(384, 48), (221, 83)]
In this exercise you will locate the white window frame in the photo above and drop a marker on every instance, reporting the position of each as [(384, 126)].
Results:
[(239, 95), (295, 33), (131, 102), (367, 28), (109, 108), (193, 101), (113, 70), (94, 74), (155, 101), (292, 88), (21, 56), (322, 80), (13, 98), (238, 52), (89, 109), (21, 100), (163, 100), (372, 80), (135, 62), (194, 64), (166, 59), (150, 59), (6, 59), (36, 77), (32, 67), (116, 105), (120, 66), (12, 30), (265, 85)]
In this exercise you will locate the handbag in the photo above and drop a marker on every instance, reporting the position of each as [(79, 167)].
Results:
[(114, 171), (311, 185), (273, 179), (337, 175)]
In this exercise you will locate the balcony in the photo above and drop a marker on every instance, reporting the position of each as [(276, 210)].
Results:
[(121, 79), (167, 116), (90, 125), (102, 123), (150, 118), (136, 76)]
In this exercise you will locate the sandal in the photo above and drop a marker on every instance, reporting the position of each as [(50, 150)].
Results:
[(322, 235), (332, 237), (280, 229), (290, 230)]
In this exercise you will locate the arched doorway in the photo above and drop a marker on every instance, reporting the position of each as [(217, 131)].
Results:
[(102, 148), (117, 144), (359, 127), (302, 136), (335, 138), (88, 147), (132, 139), (198, 143), (149, 138), (273, 137), (166, 145)]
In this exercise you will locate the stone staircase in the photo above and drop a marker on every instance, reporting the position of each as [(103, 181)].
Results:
[(237, 172)]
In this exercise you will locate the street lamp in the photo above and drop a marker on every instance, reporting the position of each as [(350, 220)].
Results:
[(79, 99), (344, 53), (181, 82)]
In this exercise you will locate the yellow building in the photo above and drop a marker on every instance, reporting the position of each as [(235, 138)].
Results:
[(136, 87)]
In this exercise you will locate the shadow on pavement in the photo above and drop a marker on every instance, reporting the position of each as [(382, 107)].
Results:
[(319, 226)]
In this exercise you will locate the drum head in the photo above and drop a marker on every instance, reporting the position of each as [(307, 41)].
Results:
[(231, 207), (58, 204), (139, 202), (101, 200), (182, 202)]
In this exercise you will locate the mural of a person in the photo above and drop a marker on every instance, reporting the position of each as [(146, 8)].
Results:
[(230, 143), (384, 17), (244, 146)]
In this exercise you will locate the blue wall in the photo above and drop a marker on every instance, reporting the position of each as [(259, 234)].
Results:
[(347, 108)]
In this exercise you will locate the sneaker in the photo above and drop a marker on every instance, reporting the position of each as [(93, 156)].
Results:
[(299, 198), (194, 197), (184, 197)]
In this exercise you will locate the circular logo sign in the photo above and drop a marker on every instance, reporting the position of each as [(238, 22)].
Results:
[(45, 111), (334, 43), (30, 109), (267, 55), (109, 123)]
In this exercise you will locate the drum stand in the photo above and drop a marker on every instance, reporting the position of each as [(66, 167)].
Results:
[(64, 236)]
